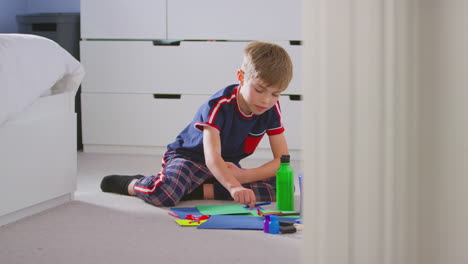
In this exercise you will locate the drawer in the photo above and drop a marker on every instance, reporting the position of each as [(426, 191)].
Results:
[(141, 67), (193, 67), (234, 20), (142, 120), (122, 19), (291, 111), (135, 119)]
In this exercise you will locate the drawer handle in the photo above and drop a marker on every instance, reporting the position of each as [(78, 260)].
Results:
[(167, 96), (44, 27), (295, 42), (295, 97), (166, 42)]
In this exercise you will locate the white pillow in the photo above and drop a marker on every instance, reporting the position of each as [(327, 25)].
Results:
[(29, 66)]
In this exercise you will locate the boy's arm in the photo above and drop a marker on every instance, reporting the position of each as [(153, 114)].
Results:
[(278, 147), (217, 166)]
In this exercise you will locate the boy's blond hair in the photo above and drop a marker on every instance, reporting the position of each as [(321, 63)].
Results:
[(268, 62)]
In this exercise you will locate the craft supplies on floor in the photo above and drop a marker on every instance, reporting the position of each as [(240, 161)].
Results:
[(236, 217)]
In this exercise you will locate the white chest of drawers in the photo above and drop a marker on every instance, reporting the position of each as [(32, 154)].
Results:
[(140, 92)]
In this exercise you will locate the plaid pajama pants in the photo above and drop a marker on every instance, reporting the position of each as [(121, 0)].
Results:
[(179, 177)]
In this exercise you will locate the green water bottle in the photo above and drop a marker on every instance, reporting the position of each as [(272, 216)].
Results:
[(285, 185)]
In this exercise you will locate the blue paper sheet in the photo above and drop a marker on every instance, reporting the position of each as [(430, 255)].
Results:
[(233, 222)]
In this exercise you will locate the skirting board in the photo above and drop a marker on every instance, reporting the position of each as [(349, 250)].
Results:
[(260, 153), (37, 208)]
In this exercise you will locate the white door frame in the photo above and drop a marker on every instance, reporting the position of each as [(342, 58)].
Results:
[(360, 128)]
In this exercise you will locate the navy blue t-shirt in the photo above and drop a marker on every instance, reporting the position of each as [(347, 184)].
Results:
[(239, 133)]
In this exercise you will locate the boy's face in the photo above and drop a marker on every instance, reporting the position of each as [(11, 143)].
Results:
[(255, 95)]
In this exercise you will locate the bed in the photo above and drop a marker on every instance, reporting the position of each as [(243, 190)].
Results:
[(38, 83)]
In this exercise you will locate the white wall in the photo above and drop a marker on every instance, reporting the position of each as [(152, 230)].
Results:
[(415, 55), (427, 186), (444, 237)]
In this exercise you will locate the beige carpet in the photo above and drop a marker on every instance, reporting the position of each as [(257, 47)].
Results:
[(107, 228)]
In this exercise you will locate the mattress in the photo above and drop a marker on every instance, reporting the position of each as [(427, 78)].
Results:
[(32, 67)]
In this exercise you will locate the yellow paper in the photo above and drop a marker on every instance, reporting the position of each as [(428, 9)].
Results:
[(184, 222)]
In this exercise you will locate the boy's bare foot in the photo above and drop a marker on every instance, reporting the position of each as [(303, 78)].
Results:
[(208, 191), (130, 187)]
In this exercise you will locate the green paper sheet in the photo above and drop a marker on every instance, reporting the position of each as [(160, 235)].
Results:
[(232, 209)]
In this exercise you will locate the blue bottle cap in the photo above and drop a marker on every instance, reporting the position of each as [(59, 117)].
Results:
[(274, 225), (285, 158)]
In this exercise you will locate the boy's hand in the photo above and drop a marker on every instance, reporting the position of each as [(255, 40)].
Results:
[(243, 196)]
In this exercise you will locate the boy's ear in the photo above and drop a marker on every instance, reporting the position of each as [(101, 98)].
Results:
[(240, 76)]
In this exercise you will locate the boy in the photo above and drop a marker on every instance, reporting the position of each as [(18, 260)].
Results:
[(203, 162)]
